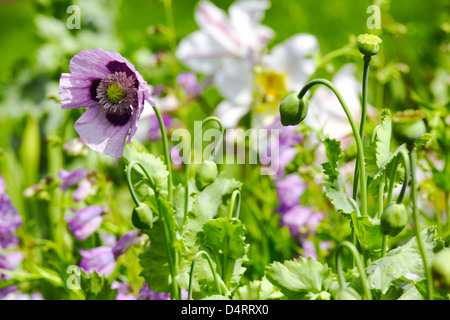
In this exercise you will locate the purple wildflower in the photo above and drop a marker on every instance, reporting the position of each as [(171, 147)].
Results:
[(155, 130), (124, 291), (10, 261), (71, 178), (188, 81), (100, 259), (85, 222), (301, 220), (10, 219), (125, 243), (147, 294), (289, 191), (114, 93)]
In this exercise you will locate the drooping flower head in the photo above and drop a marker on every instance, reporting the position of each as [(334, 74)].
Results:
[(114, 93)]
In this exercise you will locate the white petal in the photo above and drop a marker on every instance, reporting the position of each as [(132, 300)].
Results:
[(294, 58), (234, 80), (200, 52), (214, 21), (230, 114)]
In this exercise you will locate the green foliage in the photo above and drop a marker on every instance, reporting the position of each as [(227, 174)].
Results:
[(96, 287)]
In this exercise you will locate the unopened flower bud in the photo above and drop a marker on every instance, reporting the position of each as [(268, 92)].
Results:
[(393, 219), (409, 126), (142, 217), (293, 110), (368, 44), (440, 267), (206, 174)]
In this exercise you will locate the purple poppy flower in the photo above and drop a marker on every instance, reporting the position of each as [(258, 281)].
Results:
[(125, 243), (188, 81), (100, 259), (85, 222), (289, 191), (71, 178), (114, 93), (124, 291)]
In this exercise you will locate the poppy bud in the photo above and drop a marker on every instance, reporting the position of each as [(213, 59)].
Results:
[(142, 217), (440, 267), (409, 126), (347, 294), (368, 44), (293, 110), (206, 174), (393, 219)]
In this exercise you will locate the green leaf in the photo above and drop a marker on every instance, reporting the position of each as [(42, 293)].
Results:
[(224, 240), (404, 261), (155, 259), (300, 279), (256, 290), (368, 233), (334, 183), (424, 141), (96, 287), (154, 166), (377, 153)]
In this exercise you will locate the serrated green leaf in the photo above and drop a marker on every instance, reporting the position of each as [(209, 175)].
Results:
[(404, 261), (96, 287), (368, 233), (299, 279), (377, 153), (424, 141)]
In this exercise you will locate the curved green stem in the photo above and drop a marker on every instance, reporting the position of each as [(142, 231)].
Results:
[(191, 275), (130, 184), (360, 151), (188, 163), (167, 159), (426, 264), (363, 117), (405, 161), (359, 265), (235, 204)]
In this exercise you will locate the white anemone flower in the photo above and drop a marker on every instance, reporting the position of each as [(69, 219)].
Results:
[(229, 47)]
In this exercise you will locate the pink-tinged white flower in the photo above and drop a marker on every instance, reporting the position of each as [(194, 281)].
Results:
[(85, 222), (112, 91), (75, 147), (188, 81), (228, 48)]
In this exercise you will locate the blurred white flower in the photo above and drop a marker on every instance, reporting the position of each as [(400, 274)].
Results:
[(229, 48)]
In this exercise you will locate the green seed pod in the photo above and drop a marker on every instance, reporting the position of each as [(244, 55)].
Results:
[(393, 219), (368, 44), (142, 217), (348, 294), (293, 110), (206, 174), (409, 126), (440, 267)]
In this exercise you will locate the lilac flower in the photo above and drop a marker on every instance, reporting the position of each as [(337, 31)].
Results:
[(289, 191), (188, 81), (155, 131), (10, 219), (146, 294), (85, 222), (10, 261), (123, 289), (125, 243), (100, 259), (103, 259), (71, 178), (114, 93)]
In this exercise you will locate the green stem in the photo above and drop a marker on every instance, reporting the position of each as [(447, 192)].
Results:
[(363, 118), (188, 163), (359, 265), (166, 153), (191, 275), (235, 204), (426, 264), (360, 151)]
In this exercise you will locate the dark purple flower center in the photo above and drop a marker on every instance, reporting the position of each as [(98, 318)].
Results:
[(117, 94)]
